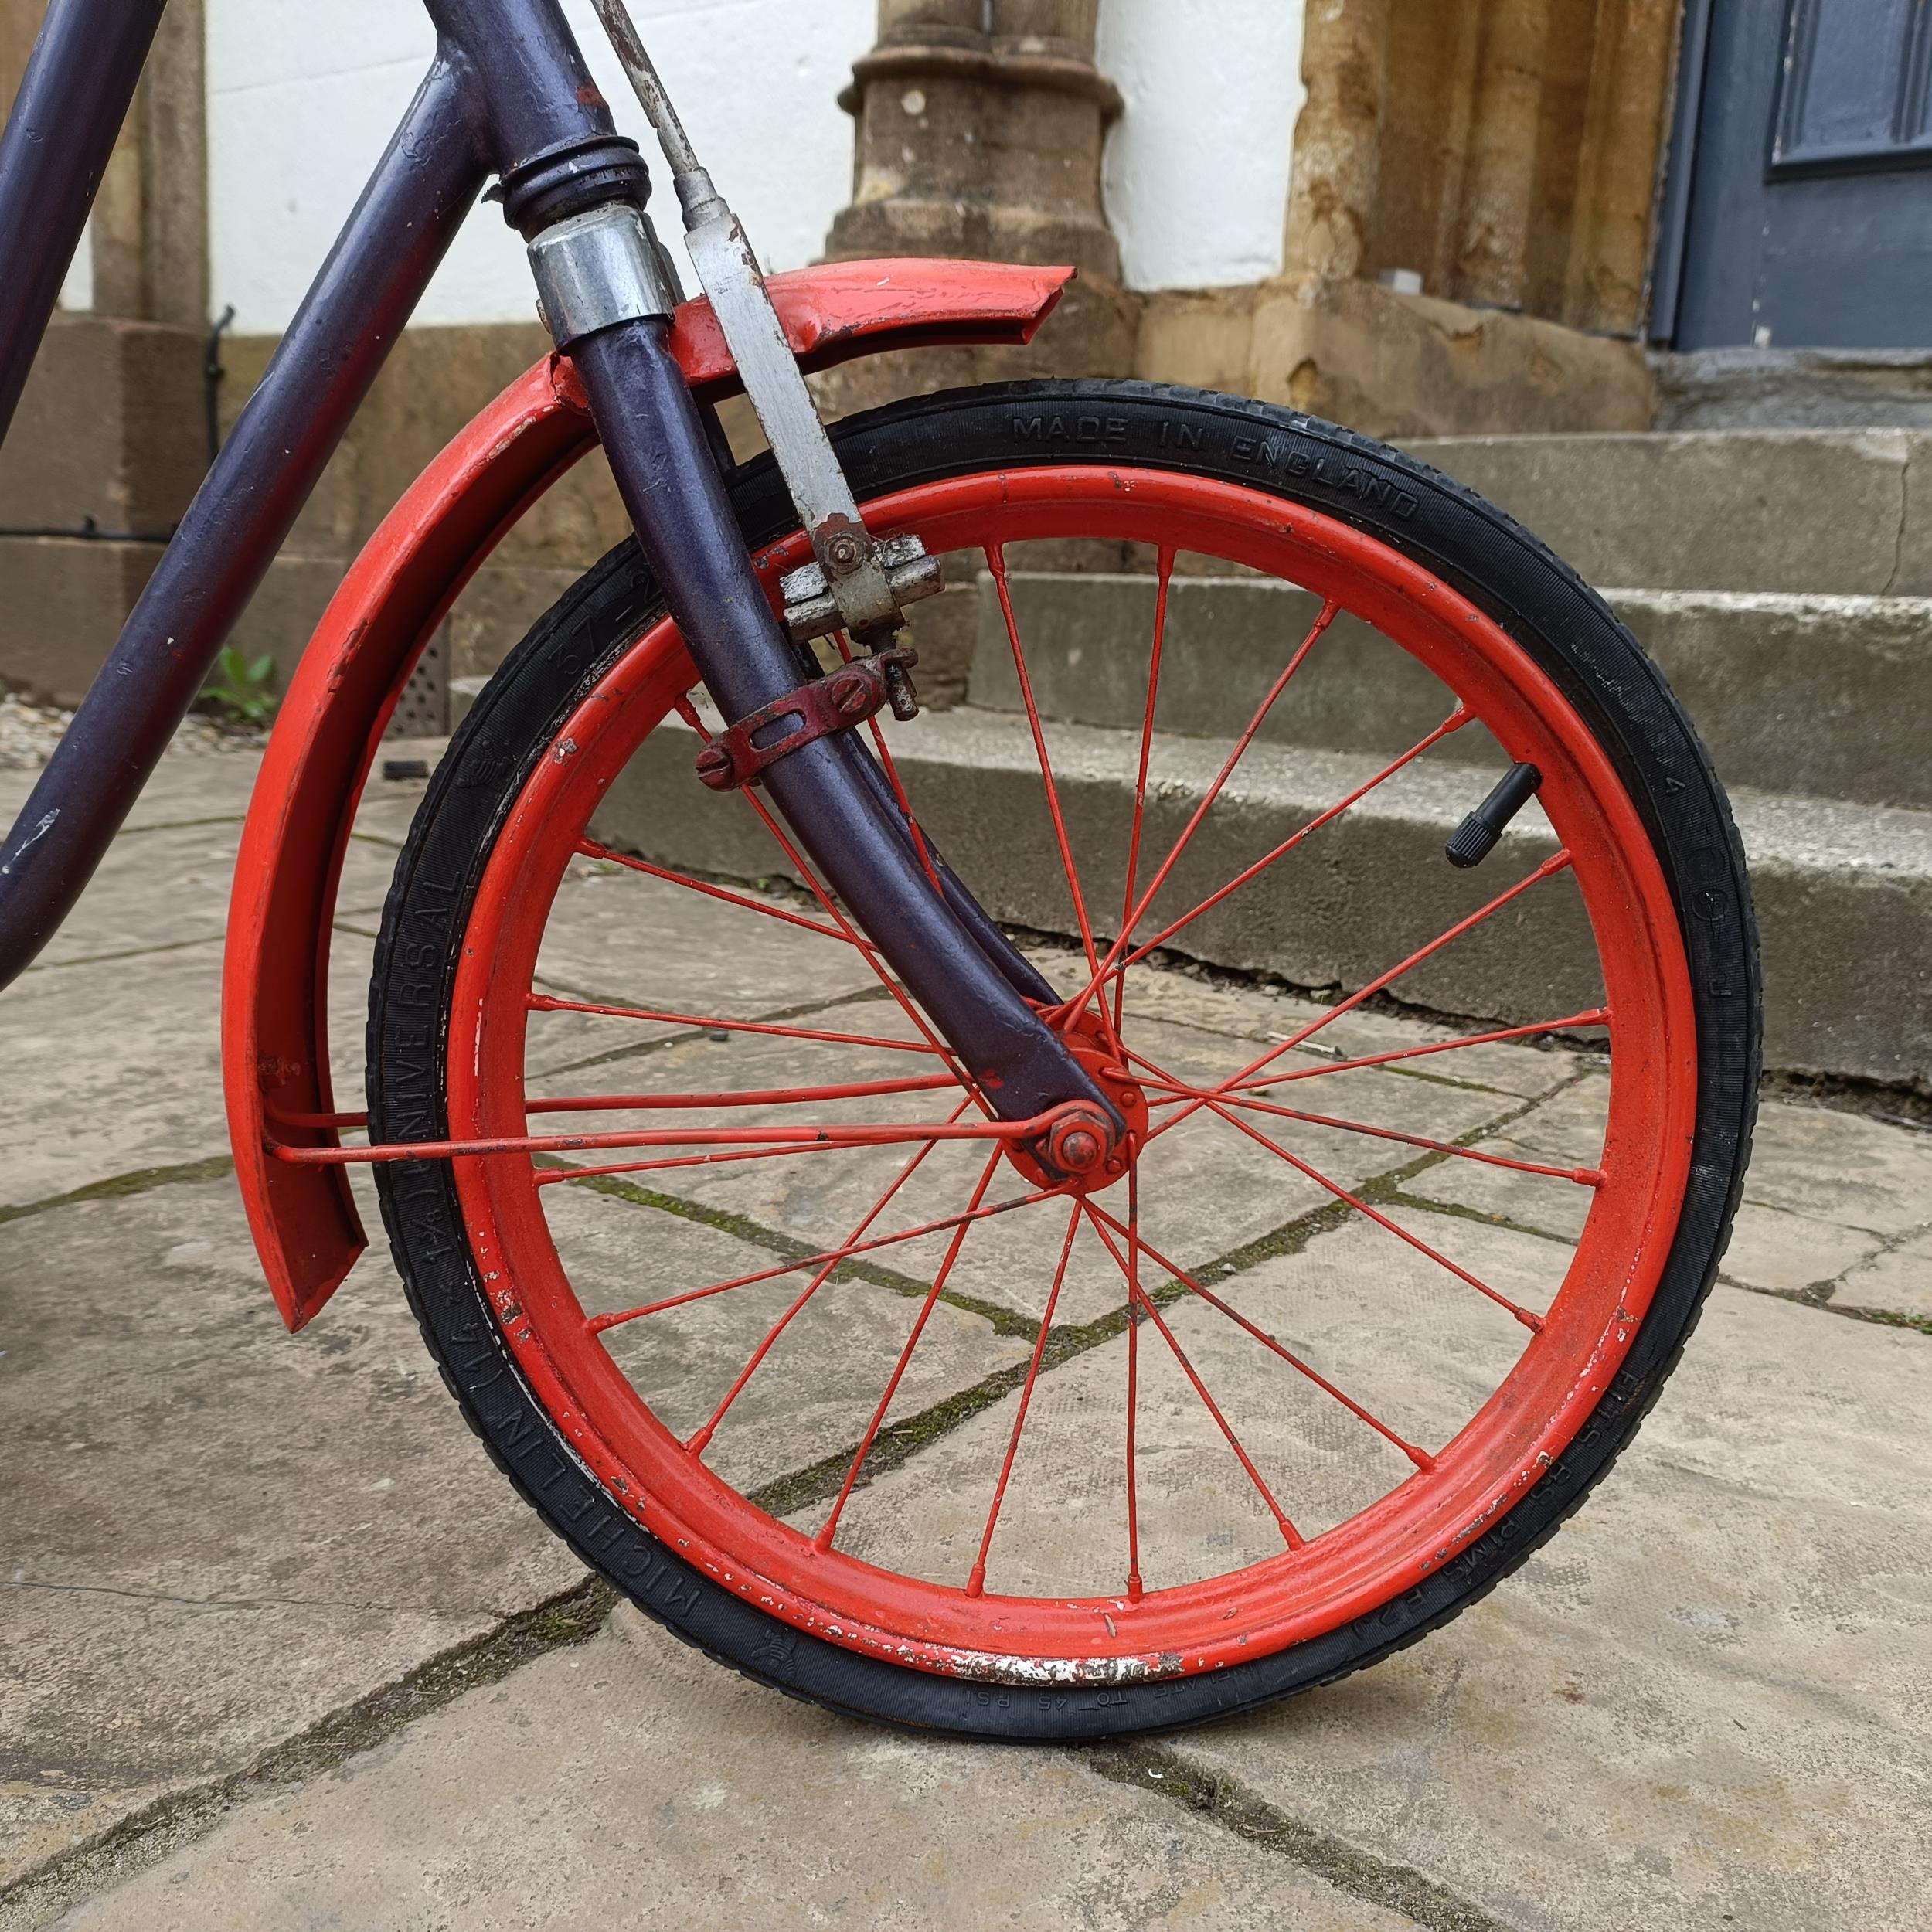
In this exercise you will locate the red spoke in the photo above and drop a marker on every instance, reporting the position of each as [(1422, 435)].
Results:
[(1290, 1534), (589, 849), (892, 773), (543, 1003), (1556, 862), (550, 1176), (905, 805), (1596, 1016), (1327, 616), (1135, 1587), (1582, 1176), (1420, 1458), (976, 1583), (996, 562), (1532, 1322), (769, 1096), (1454, 722), (834, 1134), (825, 1536), (699, 1442), (1165, 566)]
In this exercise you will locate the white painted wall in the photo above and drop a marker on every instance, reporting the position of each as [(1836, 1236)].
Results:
[(1196, 172), (77, 289), (304, 93)]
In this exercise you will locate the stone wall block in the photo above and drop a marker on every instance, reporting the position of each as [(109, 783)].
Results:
[(1338, 139), (1396, 365), (109, 429), (66, 600)]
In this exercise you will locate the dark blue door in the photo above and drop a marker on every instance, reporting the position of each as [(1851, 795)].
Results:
[(1809, 223)]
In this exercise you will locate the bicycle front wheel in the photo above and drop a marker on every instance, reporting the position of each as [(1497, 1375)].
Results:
[(918, 1434)]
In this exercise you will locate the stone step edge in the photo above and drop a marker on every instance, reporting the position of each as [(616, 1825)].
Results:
[(1843, 892)]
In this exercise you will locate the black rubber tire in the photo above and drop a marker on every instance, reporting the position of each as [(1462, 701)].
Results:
[(1433, 520)]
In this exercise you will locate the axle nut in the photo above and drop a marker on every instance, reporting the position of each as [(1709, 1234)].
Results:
[(1076, 1147)]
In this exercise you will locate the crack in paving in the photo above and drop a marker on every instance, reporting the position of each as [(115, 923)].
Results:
[(118, 1186), (239, 1602), (1223, 1801), (178, 1818), (215, 938), (789, 1247), (1811, 1297), (181, 825), (129, 952)]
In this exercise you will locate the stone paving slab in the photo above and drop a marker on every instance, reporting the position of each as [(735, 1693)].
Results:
[(186, 785), (214, 1535), (217, 1566), (633, 1772), (1708, 1701), (1420, 1350), (1898, 1282)]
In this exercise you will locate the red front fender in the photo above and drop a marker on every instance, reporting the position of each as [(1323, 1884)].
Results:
[(274, 1029)]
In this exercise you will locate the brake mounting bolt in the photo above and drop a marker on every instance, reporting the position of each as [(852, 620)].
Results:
[(842, 552)]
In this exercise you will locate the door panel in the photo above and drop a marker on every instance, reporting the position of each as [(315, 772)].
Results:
[(1809, 222)]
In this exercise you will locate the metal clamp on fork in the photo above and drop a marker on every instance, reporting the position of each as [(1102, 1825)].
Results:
[(850, 695)]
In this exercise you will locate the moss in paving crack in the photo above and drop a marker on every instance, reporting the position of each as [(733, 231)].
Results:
[(1817, 1295), (1223, 1801), (1884, 1318), (150, 1834), (214, 1168), (1455, 1211)]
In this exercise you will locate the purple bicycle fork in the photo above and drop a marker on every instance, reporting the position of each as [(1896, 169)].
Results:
[(508, 94)]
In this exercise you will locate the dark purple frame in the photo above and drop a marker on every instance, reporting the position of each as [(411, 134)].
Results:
[(508, 95)]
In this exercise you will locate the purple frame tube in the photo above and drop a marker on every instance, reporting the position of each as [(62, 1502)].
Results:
[(508, 94)]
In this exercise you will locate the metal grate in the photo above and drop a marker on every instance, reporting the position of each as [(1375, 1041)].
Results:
[(423, 709)]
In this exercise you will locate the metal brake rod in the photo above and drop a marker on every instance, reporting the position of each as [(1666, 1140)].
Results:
[(727, 268)]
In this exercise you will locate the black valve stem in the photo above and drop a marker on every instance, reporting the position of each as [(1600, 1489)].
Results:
[(1476, 837)]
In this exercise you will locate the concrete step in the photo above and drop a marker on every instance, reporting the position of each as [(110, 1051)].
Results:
[(1798, 510), (1844, 892), (1825, 696)]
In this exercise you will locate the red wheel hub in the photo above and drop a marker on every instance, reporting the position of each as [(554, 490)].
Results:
[(1091, 1044)]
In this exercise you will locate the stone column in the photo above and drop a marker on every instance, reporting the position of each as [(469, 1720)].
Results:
[(150, 228), (1331, 194), (1499, 185), (980, 128), (1624, 127)]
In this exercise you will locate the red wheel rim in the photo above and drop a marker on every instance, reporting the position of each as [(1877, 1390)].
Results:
[(1312, 1587)]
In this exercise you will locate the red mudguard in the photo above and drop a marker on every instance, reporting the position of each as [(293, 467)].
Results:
[(275, 1028)]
